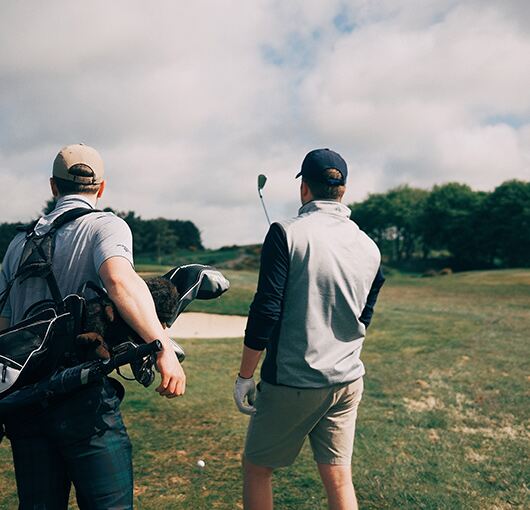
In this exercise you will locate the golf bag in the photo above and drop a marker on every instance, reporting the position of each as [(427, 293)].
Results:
[(71, 379), (39, 344)]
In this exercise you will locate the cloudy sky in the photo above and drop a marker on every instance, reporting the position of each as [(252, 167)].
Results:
[(189, 101)]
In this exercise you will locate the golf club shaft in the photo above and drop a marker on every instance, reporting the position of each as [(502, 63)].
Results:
[(265, 209)]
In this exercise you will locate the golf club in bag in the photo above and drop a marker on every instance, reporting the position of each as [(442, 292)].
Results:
[(71, 379), (262, 180), (195, 281)]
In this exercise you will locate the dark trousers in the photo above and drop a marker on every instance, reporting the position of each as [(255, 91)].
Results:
[(81, 440)]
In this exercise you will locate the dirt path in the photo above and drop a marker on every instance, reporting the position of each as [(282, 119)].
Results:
[(205, 325)]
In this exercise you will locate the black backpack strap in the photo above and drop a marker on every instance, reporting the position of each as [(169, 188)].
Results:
[(68, 216), (37, 255), (63, 219), (5, 294), (27, 228)]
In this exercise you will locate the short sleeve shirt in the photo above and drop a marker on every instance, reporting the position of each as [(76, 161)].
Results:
[(81, 247)]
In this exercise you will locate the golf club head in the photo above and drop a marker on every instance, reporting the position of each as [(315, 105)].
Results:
[(195, 281), (262, 179)]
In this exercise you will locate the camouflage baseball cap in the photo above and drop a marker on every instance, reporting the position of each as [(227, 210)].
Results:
[(79, 163)]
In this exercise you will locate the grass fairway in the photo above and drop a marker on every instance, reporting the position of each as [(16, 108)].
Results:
[(443, 423)]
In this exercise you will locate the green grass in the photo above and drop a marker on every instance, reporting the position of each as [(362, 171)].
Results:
[(443, 423), (238, 298)]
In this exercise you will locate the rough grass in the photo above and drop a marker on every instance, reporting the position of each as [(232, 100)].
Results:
[(443, 423)]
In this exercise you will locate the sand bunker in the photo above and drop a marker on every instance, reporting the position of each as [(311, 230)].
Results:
[(206, 325)]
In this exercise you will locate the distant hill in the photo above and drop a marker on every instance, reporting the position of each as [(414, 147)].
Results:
[(228, 257)]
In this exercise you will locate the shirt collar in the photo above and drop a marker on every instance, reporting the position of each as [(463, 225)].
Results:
[(74, 200), (325, 206), (63, 204)]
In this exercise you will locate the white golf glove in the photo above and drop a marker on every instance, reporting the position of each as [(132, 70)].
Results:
[(245, 388)]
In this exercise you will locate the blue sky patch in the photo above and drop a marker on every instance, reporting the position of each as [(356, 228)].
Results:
[(343, 21), (272, 56), (514, 121), (297, 51)]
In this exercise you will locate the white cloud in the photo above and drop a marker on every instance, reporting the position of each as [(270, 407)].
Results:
[(487, 154), (189, 102), (418, 101)]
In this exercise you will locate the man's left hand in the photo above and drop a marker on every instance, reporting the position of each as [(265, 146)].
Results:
[(245, 388)]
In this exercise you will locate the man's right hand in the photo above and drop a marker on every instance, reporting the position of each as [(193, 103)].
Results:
[(135, 304), (173, 382)]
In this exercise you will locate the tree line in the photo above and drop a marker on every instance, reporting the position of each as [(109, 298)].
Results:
[(452, 223), (161, 237), (153, 239)]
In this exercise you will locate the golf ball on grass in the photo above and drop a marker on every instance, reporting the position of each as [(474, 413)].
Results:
[(201, 463)]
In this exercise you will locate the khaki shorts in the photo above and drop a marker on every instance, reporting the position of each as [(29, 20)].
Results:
[(285, 416)]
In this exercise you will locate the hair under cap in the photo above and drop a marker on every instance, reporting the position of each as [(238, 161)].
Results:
[(318, 161)]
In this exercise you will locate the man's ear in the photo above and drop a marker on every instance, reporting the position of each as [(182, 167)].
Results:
[(101, 189), (305, 192), (53, 186)]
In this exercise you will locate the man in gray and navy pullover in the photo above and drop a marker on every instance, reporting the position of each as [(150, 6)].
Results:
[(319, 280)]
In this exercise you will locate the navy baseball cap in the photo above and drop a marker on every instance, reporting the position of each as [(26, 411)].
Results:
[(318, 161)]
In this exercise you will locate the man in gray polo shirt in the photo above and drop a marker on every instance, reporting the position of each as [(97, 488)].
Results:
[(319, 280), (81, 439)]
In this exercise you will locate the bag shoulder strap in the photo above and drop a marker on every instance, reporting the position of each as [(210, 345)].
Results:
[(28, 227), (37, 254), (68, 216)]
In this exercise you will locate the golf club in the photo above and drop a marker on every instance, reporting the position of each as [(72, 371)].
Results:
[(262, 179)]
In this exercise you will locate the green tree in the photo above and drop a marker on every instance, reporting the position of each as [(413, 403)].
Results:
[(506, 214), (161, 237), (49, 206), (451, 221), (393, 220), (165, 240), (405, 209), (372, 216), (7, 232)]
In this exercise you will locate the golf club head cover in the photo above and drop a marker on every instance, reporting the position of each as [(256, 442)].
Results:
[(195, 281)]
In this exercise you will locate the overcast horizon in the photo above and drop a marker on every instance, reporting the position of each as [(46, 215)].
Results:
[(187, 104)]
